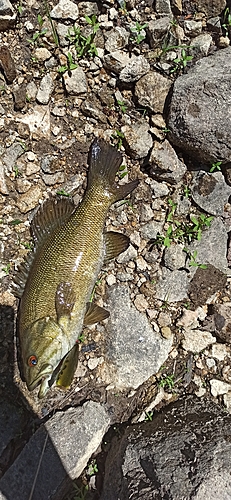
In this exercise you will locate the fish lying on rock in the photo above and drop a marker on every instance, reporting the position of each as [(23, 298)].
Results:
[(56, 280)]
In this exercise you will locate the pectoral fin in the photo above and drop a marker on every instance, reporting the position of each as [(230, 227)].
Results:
[(115, 243), (68, 367), (64, 300), (94, 314)]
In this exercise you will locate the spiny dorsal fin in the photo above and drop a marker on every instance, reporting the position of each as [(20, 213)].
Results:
[(20, 279), (115, 243), (52, 214)]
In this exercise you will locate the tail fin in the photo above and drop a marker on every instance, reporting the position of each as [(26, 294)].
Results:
[(105, 161)]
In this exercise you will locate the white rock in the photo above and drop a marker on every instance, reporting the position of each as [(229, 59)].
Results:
[(76, 83), (65, 9), (141, 303), (38, 121), (227, 401), (42, 54), (45, 89), (197, 340), (218, 387), (110, 279), (219, 351), (129, 254)]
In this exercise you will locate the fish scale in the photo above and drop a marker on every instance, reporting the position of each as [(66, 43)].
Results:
[(70, 248)]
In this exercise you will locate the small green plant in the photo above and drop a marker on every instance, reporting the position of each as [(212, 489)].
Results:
[(122, 171), (215, 166), (16, 171), (165, 130), (35, 40), (6, 269), (62, 192), (167, 381), (193, 262), (137, 36), (119, 136), (53, 28), (70, 65), (79, 492), (123, 7), (148, 416), (40, 20), (84, 45), (20, 8), (27, 245), (93, 468), (81, 338), (172, 210), (186, 191), (122, 106), (227, 21), (180, 63), (15, 222)]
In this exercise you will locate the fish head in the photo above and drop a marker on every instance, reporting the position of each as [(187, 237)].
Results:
[(42, 347)]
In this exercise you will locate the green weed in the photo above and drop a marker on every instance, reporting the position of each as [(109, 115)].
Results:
[(167, 381), (53, 28), (122, 106), (119, 136), (227, 21), (84, 45), (193, 262), (62, 192), (215, 166), (137, 36), (148, 416), (6, 269), (93, 468), (36, 38), (186, 191), (122, 171), (70, 65), (15, 222), (180, 63)]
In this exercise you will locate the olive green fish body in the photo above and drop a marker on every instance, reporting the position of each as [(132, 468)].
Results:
[(70, 248)]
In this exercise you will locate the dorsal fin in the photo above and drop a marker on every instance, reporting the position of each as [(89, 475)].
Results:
[(52, 214), (20, 279)]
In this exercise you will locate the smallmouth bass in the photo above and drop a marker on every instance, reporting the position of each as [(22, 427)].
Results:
[(56, 280)]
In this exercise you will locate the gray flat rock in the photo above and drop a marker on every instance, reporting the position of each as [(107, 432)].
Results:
[(172, 286), (210, 192), (212, 248), (134, 351), (64, 445)]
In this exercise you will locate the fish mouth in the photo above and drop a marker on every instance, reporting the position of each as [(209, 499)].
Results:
[(42, 378)]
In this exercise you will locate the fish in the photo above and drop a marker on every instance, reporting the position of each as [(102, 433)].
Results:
[(56, 280)]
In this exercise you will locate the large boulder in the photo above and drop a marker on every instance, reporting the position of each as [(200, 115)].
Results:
[(199, 110)]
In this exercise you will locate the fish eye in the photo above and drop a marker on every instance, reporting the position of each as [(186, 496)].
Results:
[(32, 360)]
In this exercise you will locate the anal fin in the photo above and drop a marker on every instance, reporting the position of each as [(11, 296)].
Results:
[(115, 243)]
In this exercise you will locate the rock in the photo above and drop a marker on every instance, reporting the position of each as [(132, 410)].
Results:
[(151, 91), (129, 254), (42, 54), (223, 42), (137, 462), (156, 29), (116, 39), (65, 9), (19, 94), (222, 318), (205, 283), (165, 165), (29, 200), (212, 247), (210, 9), (138, 141), (76, 83), (62, 31), (7, 15), (177, 7), (159, 188), (150, 230), (126, 328), (214, 24), (196, 340), (192, 28), (6, 62), (89, 108), (172, 286), (52, 179), (200, 45), (11, 155), (38, 121), (141, 303), (134, 69), (189, 319), (45, 89), (116, 61), (194, 126), (146, 213), (210, 192), (174, 257), (218, 387), (3, 186), (163, 7), (55, 443), (219, 351)]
